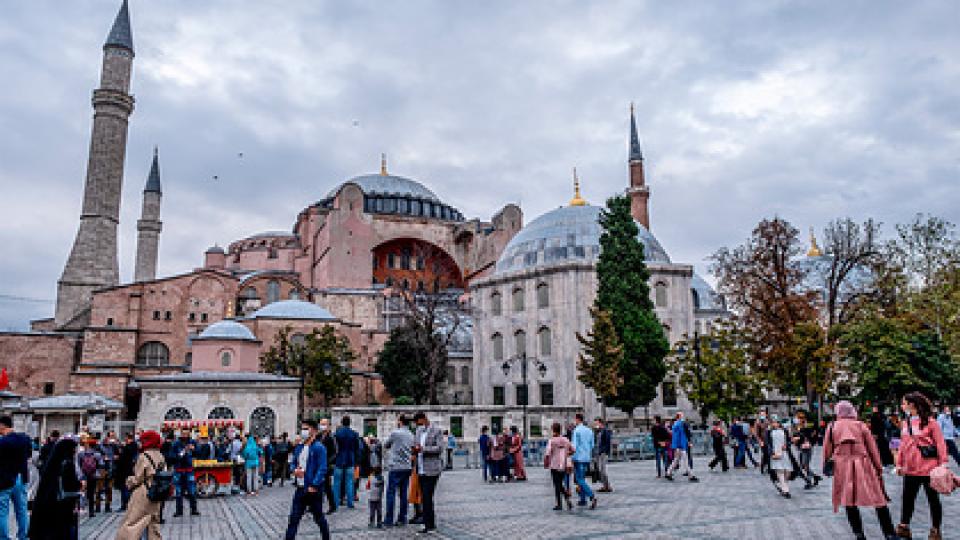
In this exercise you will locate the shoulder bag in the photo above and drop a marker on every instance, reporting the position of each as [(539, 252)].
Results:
[(828, 463), (927, 452)]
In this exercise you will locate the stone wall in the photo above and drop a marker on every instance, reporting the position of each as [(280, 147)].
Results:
[(34, 359)]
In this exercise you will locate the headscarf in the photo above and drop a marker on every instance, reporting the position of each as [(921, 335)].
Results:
[(845, 409), (150, 439)]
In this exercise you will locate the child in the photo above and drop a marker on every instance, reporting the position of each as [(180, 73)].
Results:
[(376, 498)]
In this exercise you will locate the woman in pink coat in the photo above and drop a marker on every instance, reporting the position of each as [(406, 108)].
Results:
[(858, 470), (559, 450), (920, 433)]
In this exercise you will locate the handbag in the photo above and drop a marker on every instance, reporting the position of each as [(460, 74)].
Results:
[(927, 452), (828, 464)]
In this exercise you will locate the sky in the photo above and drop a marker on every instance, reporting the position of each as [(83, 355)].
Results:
[(807, 110)]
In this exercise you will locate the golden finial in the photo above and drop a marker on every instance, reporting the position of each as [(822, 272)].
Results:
[(814, 250), (383, 165), (577, 200), (229, 314)]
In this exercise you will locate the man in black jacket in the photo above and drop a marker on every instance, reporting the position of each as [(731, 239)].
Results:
[(661, 444), (280, 457), (15, 452), (604, 448), (124, 468), (330, 443)]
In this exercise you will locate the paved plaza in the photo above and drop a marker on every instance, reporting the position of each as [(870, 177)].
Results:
[(737, 505)]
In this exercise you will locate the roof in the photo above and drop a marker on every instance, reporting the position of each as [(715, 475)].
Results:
[(270, 234), (707, 298), (75, 401), (120, 33), (388, 184), (293, 309), (567, 234), (218, 376), (228, 330), (153, 180)]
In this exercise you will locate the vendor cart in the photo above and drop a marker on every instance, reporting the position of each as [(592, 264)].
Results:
[(213, 477)]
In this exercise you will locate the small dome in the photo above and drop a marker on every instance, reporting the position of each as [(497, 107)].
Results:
[(227, 329), (705, 297), (389, 185), (567, 234), (215, 249), (293, 309)]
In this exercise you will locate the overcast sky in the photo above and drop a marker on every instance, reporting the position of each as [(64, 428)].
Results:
[(810, 110)]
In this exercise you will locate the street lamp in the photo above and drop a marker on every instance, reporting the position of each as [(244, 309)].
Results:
[(541, 368)]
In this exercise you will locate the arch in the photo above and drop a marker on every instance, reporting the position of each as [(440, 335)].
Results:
[(263, 422), (520, 342), (178, 413), (153, 353), (496, 303), (543, 295), (221, 413), (517, 299), (415, 260), (660, 294), (497, 342), (545, 336)]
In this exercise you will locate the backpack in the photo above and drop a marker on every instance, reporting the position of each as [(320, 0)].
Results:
[(88, 464), (161, 489)]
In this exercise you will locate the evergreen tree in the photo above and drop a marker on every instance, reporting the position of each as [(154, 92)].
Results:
[(602, 355), (623, 292), (322, 357), (403, 364)]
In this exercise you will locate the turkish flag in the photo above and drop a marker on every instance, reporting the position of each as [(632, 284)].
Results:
[(4, 379)]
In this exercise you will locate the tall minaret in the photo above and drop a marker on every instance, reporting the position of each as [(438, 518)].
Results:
[(93, 260), (149, 225), (638, 190)]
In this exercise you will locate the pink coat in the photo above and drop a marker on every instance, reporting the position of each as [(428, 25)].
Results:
[(557, 451), (857, 476), (909, 459)]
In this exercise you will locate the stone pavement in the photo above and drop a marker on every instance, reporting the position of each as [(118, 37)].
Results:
[(739, 505)]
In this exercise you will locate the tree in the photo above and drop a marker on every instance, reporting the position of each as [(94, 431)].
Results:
[(403, 364), (851, 250), (322, 358), (723, 382), (624, 293), (601, 358)]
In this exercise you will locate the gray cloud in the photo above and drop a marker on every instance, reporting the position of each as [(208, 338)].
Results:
[(810, 110)]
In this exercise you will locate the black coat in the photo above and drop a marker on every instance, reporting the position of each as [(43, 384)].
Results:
[(53, 519), (126, 460)]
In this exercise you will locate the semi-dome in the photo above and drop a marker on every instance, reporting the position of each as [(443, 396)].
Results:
[(704, 296), (567, 234), (227, 329), (293, 309)]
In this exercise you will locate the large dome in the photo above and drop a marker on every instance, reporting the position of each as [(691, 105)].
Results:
[(567, 234), (389, 185)]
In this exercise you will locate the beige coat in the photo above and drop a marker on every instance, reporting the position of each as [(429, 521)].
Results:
[(142, 513)]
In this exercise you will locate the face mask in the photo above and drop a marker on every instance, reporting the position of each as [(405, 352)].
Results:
[(305, 434)]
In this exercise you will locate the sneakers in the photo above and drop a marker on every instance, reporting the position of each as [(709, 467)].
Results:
[(935, 535), (787, 495), (669, 477), (694, 479), (593, 506), (903, 531)]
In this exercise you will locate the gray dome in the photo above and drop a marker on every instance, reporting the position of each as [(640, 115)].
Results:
[(567, 234), (390, 185), (227, 329), (705, 297), (293, 309)]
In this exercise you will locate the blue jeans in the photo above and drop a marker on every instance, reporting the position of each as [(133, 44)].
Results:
[(397, 483), (485, 464), (302, 500), (740, 455), (660, 456), (580, 474), (17, 492), (343, 478), (185, 481)]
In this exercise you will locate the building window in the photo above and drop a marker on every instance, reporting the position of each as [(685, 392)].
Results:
[(496, 424), (188, 359), (456, 426), (465, 375), (221, 413), (167, 316), (668, 394), (273, 291), (522, 394), (496, 304), (192, 317), (226, 358), (153, 353), (294, 294), (546, 393), (421, 262), (48, 388), (263, 422), (250, 293), (177, 413), (498, 398), (536, 428), (203, 317), (543, 295), (156, 315), (520, 342), (405, 259), (696, 298), (272, 253), (545, 341), (109, 321), (660, 294), (497, 340), (375, 262), (451, 374), (391, 260), (518, 299)]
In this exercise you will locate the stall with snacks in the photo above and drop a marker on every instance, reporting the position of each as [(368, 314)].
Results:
[(213, 476)]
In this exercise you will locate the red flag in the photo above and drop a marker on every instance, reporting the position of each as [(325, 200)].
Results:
[(4, 380)]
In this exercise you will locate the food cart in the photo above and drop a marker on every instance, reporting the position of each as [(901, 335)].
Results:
[(212, 476)]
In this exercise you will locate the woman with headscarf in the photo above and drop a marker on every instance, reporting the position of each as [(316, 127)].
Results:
[(142, 513), (58, 494), (857, 470)]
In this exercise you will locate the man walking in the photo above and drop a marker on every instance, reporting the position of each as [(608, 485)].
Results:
[(310, 459), (348, 456), (428, 445), (125, 463), (15, 452), (398, 445), (485, 443), (680, 445), (717, 437), (583, 442), (183, 475), (661, 444), (330, 444), (605, 442), (111, 451), (91, 465), (280, 457)]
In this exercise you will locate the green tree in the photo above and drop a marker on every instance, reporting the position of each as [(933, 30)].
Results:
[(403, 364), (601, 358), (623, 292), (322, 358)]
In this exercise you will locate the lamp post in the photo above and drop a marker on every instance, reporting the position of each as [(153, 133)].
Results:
[(541, 368)]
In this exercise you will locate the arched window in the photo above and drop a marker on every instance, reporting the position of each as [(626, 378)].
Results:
[(263, 422), (153, 353), (696, 298), (518, 299), (520, 342), (294, 294), (221, 413), (660, 294), (273, 291), (249, 293), (496, 304), (391, 260), (226, 358), (545, 341), (405, 259), (543, 295), (497, 340), (465, 375), (177, 413)]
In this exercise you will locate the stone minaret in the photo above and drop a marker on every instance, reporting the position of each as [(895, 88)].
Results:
[(638, 190), (149, 225), (93, 260)]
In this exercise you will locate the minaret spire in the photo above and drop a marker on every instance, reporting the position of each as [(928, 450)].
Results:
[(383, 165), (577, 200), (120, 34), (636, 154), (814, 250), (153, 179), (638, 191), (149, 225)]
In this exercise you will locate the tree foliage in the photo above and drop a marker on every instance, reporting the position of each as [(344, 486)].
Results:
[(624, 293), (322, 357), (602, 355), (403, 364)]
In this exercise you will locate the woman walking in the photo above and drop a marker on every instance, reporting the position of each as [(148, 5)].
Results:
[(922, 449), (58, 494), (858, 470), (559, 450), (142, 513), (781, 465), (251, 462)]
